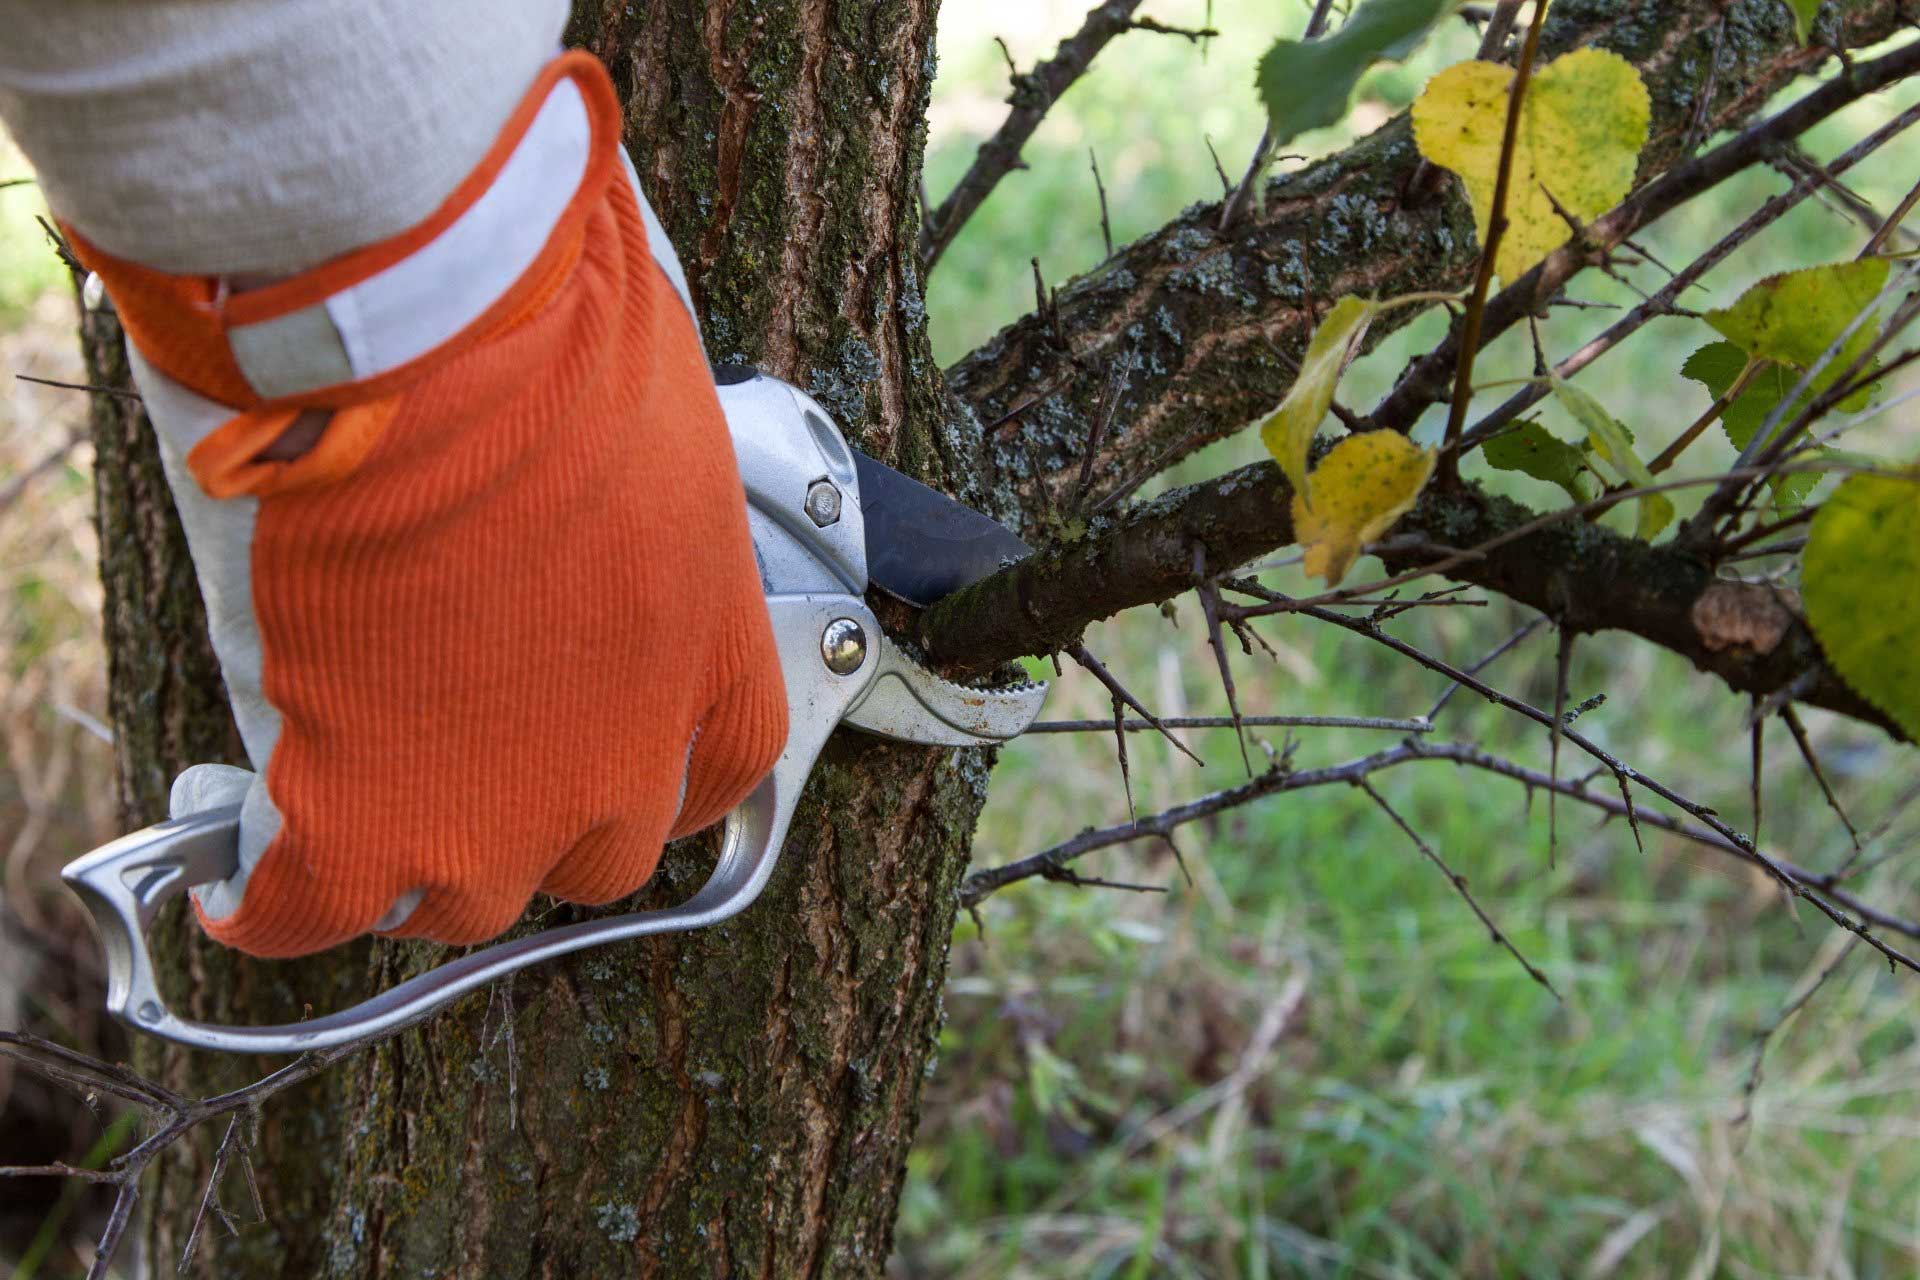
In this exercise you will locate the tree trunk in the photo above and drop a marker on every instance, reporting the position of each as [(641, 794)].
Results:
[(735, 1101)]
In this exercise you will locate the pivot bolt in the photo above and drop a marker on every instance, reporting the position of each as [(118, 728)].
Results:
[(843, 646), (823, 503)]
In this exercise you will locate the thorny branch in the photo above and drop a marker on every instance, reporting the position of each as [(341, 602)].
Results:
[(172, 1116), (1430, 378), (1203, 314), (1034, 93), (1590, 577), (1459, 883)]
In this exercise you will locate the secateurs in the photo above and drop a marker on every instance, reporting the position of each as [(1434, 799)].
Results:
[(823, 517)]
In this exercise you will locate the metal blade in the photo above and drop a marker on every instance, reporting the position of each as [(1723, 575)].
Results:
[(908, 703), (921, 544)]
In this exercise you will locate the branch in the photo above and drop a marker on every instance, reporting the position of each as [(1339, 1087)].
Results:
[(1459, 883), (1034, 93), (1213, 322), (1047, 864), (1589, 577), (177, 1117), (1430, 378)]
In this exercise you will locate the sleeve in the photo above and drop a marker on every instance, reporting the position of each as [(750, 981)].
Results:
[(255, 138)]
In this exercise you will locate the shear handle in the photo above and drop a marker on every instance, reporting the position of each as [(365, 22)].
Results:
[(124, 884)]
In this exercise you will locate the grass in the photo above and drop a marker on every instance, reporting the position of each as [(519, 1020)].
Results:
[(1310, 1061)]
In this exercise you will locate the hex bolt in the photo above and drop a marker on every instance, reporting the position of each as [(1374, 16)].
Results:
[(843, 646), (823, 503)]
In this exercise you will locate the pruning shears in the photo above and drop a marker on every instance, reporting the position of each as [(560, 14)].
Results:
[(827, 522)]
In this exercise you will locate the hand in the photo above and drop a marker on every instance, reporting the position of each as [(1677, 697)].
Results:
[(500, 630)]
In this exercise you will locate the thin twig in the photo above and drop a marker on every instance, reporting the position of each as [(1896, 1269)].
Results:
[(1227, 722), (121, 392), (1236, 204), (1808, 754), (1034, 94), (1120, 693), (1106, 224), (1500, 650), (1459, 883), (1766, 1034)]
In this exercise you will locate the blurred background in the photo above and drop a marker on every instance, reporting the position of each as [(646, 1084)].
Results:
[(1308, 1059)]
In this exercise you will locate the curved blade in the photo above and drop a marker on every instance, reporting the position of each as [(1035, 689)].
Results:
[(911, 704), (921, 544)]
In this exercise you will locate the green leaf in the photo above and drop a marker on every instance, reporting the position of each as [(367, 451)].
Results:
[(1794, 317), (1613, 444), (1717, 366), (1803, 11), (1533, 450), (1307, 84), (1582, 125), (1290, 431), (1861, 584)]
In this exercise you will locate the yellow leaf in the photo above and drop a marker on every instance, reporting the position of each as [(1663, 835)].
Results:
[(1364, 484), (1289, 432), (1582, 126), (1861, 584)]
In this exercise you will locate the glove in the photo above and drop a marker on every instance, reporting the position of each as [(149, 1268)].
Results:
[(500, 629)]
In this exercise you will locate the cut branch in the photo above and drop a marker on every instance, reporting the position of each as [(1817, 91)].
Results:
[(1587, 576)]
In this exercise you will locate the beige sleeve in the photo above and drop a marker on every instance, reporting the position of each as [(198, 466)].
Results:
[(259, 137)]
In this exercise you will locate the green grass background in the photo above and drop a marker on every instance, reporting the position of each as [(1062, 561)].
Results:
[(1309, 1060)]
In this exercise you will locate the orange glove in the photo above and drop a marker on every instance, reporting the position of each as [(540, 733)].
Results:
[(500, 629)]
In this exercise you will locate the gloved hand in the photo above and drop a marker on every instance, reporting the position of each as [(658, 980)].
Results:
[(500, 629)]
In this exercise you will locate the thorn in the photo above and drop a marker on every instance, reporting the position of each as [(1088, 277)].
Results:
[(1562, 665), (1633, 814), (1226, 183), (1120, 745), (1179, 858), (1757, 752), (1106, 226), (1078, 652), (1807, 753), (1210, 606)]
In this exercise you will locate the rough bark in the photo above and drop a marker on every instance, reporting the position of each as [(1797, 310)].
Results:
[(1208, 324), (738, 1101)]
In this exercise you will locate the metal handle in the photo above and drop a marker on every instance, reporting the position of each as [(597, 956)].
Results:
[(124, 884)]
